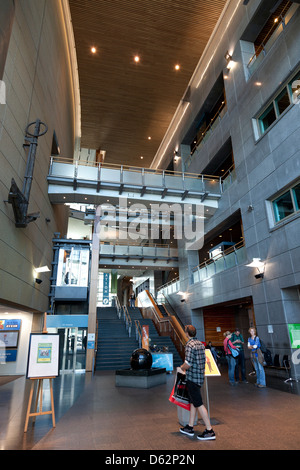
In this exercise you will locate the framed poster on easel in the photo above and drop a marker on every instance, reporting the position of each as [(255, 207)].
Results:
[(43, 356)]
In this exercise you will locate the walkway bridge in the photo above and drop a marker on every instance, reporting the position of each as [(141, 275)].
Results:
[(92, 183), (138, 255)]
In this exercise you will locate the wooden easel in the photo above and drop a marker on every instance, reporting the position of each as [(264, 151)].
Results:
[(39, 396)]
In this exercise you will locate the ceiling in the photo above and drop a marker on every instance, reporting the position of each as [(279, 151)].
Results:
[(124, 102)]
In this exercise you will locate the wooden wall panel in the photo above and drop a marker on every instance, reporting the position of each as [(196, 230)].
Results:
[(213, 318)]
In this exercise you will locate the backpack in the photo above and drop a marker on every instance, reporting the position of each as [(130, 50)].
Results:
[(266, 353), (268, 357)]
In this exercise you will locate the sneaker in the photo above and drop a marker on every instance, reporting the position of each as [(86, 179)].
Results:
[(207, 435), (187, 430)]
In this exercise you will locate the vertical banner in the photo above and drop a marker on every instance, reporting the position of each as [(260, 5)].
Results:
[(114, 282), (105, 299), (145, 337)]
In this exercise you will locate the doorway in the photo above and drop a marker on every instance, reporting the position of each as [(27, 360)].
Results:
[(72, 348)]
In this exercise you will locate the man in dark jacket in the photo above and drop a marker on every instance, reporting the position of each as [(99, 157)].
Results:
[(194, 368)]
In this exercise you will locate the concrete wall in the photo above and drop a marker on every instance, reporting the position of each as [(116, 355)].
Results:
[(264, 166), (39, 84)]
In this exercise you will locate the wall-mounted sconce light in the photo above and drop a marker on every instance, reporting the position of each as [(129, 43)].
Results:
[(229, 61), (184, 295), (259, 265), (42, 269)]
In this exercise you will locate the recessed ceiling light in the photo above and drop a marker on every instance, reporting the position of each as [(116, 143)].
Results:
[(93, 50), (142, 157), (149, 138), (136, 59), (177, 67)]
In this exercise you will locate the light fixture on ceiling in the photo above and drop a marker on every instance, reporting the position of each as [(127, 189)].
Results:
[(93, 50), (137, 59), (177, 67), (259, 265)]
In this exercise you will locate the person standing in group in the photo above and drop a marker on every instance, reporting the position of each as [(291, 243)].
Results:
[(194, 368), (254, 345), (228, 346), (238, 341)]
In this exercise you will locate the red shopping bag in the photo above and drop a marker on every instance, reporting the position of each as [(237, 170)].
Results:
[(179, 395)]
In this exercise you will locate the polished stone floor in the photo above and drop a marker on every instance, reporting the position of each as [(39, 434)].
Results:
[(93, 414)]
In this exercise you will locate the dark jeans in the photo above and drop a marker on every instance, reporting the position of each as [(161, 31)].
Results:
[(240, 363)]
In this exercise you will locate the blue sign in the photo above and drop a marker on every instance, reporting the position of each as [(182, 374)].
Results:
[(163, 360), (105, 288), (10, 325), (8, 355), (67, 321)]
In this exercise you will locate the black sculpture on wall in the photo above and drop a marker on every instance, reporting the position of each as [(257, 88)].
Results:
[(20, 199)]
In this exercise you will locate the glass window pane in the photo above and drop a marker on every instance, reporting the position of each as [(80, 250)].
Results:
[(283, 206), (267, 118), (295, 88), (296, 193), (283, 101)]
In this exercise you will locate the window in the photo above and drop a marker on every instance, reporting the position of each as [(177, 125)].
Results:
[(267, 118), (296, 194), (280, 103), (287, 204), (73, 267)]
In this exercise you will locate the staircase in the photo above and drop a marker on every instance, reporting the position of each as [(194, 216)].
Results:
[(114, 345), (114, 348)]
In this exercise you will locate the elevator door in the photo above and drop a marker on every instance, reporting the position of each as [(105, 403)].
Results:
[(72, 349)]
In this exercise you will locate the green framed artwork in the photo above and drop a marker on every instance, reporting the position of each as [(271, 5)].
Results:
[(294, 330)]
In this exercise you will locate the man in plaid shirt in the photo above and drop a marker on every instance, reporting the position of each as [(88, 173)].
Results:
[(194, 367)]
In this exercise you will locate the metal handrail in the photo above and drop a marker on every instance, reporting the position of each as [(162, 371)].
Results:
[(127, 319), (158, 171), (119, 308), (206, 130), (221, 255), (176, 279), (272, 30)]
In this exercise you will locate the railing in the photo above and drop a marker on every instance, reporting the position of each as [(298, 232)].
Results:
[(228, 178), (208, 130), (81, 170), (272, 35), (171, 286), (229, 258), (127, 319), (129, 250), (119, 308)]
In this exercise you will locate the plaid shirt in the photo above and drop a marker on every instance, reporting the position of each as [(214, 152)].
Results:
[(195, 358)]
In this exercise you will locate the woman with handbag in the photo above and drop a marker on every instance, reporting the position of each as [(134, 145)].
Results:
[(231, 353), (257, 358)]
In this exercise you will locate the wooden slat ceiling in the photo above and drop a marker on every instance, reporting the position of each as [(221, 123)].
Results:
[(123, 102)]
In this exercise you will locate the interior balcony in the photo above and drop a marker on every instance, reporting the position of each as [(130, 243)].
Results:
[(82, 182)]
